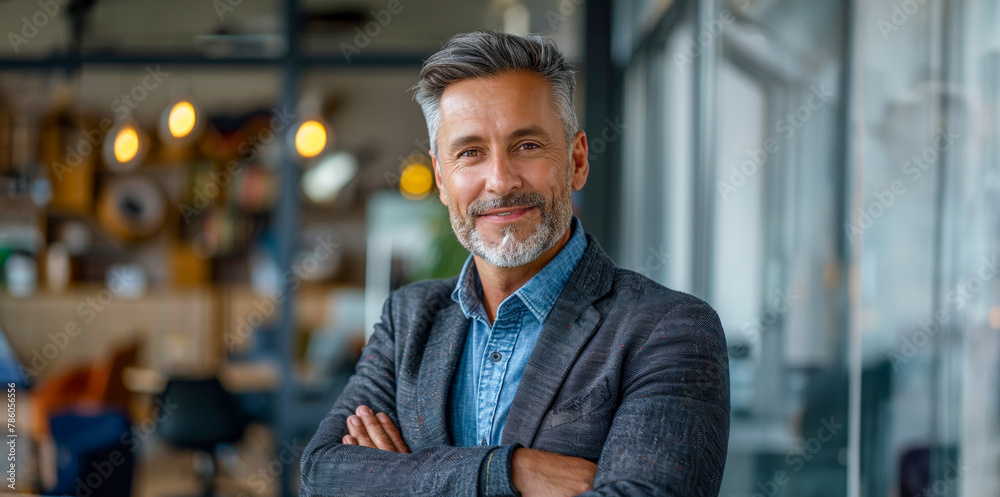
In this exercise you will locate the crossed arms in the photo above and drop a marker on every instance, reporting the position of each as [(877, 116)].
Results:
[(532, 472), (668, 436)]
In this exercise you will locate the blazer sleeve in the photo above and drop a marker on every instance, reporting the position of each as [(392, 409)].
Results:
[(331, 468), (670, 434)]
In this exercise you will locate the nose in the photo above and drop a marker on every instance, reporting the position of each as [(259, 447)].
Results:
[(502, 175)]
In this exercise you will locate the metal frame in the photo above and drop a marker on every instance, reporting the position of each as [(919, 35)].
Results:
[(71, 63), (603, 100)]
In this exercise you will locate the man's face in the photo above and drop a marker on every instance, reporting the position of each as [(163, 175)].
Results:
[(503, 167)]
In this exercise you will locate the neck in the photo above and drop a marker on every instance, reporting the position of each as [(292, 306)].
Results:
[(501, 282)]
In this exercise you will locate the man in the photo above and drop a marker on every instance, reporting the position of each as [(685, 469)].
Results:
[(541, 369)]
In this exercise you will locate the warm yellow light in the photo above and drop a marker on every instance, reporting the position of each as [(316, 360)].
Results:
[(415, 182), (310, 139), (181, 120), (126, 144)]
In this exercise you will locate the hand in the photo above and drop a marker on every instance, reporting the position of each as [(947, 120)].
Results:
[(376, 431), (547, 474)]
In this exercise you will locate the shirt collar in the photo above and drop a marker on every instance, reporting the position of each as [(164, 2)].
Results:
[(539, 294)]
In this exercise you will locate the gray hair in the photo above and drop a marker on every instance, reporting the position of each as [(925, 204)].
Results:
[(485, 53)]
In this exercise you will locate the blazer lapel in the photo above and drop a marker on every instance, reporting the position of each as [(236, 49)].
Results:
[(437, 369), (568, 327)]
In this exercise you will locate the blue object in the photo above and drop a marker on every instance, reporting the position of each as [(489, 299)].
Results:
[(94, 454), (493, 361), (11, 369)]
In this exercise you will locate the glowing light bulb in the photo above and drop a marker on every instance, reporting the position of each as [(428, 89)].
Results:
[(181, 120), (126, 144), (310, 139), (416, 181)]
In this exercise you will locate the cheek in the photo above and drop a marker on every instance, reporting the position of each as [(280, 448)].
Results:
[(553, 179), (462, 191)]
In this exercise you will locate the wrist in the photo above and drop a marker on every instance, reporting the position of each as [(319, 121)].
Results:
[(517, 468), (495, 472)]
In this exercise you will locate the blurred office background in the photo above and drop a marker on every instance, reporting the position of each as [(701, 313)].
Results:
[(203, 205)]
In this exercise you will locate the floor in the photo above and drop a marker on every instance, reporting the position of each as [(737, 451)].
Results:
[(249, 469)]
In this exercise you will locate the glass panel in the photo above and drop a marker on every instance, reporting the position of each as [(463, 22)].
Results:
[(883, 245), (927, 215), (677, 143), (634, 168), (739, 211), (974, 214), (776, 271)]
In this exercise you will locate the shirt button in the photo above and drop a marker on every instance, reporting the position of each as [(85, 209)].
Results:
[(496, 356)]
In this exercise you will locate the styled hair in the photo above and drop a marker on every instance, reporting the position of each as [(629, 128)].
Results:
[(486, 53)]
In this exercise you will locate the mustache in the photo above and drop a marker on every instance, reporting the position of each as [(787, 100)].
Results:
[(518, 199)]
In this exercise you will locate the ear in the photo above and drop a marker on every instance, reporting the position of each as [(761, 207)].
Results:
[(442, 195), (578, 160)]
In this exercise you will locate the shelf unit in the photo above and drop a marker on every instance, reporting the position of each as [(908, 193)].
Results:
[(286, 213)]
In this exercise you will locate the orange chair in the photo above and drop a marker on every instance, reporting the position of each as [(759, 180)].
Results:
[(85, 387)]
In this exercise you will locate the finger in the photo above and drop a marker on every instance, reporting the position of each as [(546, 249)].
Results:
[(357, 429), (375, 430), (349, 440), (394, 435)]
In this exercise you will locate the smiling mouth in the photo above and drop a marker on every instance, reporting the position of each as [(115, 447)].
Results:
[(511, 215), (508, 212)]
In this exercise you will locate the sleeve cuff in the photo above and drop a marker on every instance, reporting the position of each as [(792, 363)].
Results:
[(494, 472)]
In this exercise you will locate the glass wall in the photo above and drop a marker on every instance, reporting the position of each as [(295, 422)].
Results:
[(825, 175)]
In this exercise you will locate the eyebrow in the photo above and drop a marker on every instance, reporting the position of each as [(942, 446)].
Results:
[(533, 130)]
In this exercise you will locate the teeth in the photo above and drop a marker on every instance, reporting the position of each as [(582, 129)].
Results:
[(505, 213)]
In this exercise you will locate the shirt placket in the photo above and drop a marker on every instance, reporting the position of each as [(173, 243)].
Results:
[(496, 356)]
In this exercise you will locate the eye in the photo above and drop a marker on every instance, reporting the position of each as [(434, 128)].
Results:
[(529, 146), (469, 153)]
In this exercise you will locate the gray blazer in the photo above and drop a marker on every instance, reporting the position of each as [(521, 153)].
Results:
[(626, 373)]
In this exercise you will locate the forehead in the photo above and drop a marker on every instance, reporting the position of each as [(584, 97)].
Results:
[(497, 104)]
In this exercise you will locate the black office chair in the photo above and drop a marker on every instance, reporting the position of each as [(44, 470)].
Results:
[(200, 415)]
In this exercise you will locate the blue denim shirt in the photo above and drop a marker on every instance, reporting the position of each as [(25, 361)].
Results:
[(493, 359)]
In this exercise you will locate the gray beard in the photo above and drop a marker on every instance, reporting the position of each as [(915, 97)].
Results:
[(511, 251)]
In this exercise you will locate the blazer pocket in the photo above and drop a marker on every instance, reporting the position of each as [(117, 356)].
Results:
[(581, 405)]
